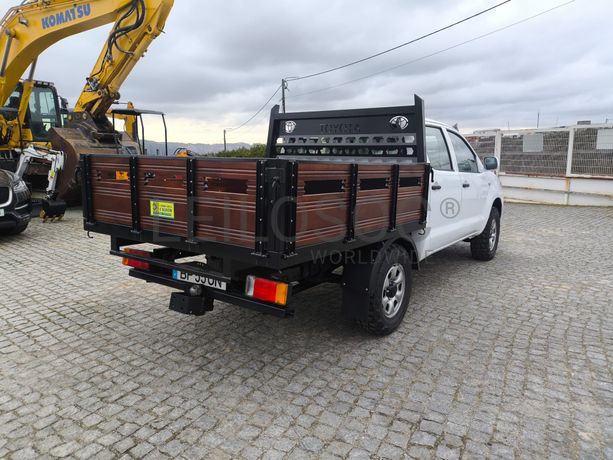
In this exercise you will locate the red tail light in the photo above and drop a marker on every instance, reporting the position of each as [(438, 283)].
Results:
[(267, 290), (136, 263)]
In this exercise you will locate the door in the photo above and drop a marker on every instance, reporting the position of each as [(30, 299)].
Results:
[(444, 204), (475, 185)]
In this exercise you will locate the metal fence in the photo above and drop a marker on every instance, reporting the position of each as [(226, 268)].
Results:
[(566, 152)]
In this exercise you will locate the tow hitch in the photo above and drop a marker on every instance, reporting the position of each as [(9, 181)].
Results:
[(196, 305)]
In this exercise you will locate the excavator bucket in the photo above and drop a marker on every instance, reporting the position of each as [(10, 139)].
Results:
[(53, 209), (80, 137)]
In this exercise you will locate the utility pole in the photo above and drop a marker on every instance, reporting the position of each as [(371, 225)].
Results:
[(538, 119), (283, 88), (225, 147)]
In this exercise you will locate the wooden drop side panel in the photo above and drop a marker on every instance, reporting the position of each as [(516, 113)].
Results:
[(162, 180), (373, 203), (411, 194), (226, 191), (225, 201), (322, 207), (110, 186)]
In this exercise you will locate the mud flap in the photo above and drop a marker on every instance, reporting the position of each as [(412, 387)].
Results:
[(356, 282), (190, 305)]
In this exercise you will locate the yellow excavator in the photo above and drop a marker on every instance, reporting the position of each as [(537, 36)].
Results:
[(35, 124)]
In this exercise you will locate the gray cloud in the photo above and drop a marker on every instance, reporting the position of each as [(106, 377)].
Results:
[(219, 61)]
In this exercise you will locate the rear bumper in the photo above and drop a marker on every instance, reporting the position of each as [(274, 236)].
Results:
[(15, 218), (234, 298)]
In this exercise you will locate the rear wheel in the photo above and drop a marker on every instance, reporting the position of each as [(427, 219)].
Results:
[(484, 246), (389, 291)]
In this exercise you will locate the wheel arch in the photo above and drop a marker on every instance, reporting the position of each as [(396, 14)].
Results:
[(409, 246), (498, 205)]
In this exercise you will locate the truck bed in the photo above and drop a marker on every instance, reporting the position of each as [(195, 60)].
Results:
[(331, 182)]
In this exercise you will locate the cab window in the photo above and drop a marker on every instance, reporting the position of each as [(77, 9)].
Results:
[(13, 104), (467, 162), (43, 113), (436, 150)]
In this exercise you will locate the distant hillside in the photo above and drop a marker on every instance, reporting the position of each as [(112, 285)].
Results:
[(202, 149)]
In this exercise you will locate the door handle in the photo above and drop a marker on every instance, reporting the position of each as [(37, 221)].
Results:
[(465, 185), (436, 187)]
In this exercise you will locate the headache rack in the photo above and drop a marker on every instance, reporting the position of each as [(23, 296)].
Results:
[(331, 182), (390, 132)]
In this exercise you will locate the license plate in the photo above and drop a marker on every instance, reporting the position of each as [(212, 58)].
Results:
[(199, 279), (1, 212)]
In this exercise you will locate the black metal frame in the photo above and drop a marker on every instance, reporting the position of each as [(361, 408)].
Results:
[(124, 236), (86, 190), (351, 123), (191, 194), (224, 296), (139, 117), (134, 194), (353, 200), (394, 203)]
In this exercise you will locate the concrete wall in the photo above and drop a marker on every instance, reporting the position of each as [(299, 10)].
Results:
[(574, 191)]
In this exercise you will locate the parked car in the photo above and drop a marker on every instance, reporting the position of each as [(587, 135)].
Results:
[(374, 191), (15, 204)]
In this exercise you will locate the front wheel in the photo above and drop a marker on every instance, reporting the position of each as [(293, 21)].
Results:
[(389, 291), (484, 246)]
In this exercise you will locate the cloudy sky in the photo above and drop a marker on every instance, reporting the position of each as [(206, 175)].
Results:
[(219, 61)]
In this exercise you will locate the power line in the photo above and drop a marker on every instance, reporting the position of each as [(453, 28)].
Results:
[(262, 116), (259, 111), (479, 37), (344, 66)]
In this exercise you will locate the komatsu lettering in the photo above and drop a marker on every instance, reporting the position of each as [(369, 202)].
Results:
[(69, 15)]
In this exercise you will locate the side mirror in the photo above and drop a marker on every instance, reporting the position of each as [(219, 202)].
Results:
[(490, 163)]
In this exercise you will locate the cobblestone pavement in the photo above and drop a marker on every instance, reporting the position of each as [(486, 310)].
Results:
[(511, 358)]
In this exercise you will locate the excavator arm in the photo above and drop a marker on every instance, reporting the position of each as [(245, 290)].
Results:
[(31, 28), (134, 30)]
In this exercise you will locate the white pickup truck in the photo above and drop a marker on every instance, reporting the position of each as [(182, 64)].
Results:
[(357, 197)]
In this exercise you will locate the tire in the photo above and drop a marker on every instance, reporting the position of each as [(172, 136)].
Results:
[(390, 279), (484, 246)]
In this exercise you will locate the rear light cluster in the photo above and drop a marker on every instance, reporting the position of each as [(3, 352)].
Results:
[(266, 290), (136, 263)]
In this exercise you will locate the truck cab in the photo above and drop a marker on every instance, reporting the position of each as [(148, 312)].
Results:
[(462, 192)]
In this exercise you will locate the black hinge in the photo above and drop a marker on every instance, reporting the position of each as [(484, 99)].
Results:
[(353, 199), (134, 193)]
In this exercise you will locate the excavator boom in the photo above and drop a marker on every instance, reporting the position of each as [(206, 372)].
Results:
[(29, 29)]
